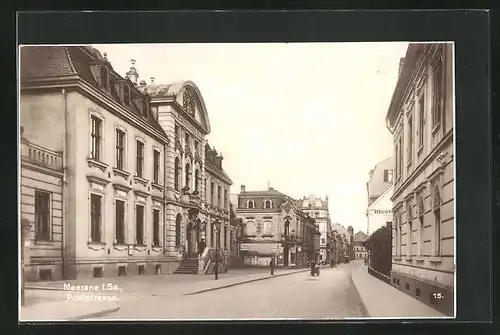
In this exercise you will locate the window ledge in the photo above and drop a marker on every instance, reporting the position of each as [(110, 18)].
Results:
[(409, 259), (96, 245), (157, 186), (397, 258), (156, 247), (435, 259), (419, 259), (100, 165), (140, 247), (140, 180), (43, 242), (120, 246), (121, 173)]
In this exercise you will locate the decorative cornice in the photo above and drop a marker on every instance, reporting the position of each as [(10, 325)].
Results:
[(140, 180), (157, 198), (41, 169), (121, 173), (100, 165), (122, 187), (97, 180), (157, 187), (141, 193)]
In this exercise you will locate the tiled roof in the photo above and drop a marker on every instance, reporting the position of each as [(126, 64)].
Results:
[(58, 61), (218, 172)]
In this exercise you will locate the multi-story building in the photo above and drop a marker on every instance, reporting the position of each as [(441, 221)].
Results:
[(380, 180), (340, 242), (317, 208), (106, 213), (131, 160), (359, 249), (420, 117), (273, 226)]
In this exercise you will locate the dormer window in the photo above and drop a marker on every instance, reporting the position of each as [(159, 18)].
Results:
[(251, 204), (104, 78), (145, 107), (126, 95), (268, 204)]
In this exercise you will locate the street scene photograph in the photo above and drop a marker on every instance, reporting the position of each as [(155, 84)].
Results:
[(238, 181)]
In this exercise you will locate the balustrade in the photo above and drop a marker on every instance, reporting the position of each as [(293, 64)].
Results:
[(41, 156)]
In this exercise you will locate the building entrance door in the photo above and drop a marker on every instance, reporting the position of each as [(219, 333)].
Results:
[(193, 243)]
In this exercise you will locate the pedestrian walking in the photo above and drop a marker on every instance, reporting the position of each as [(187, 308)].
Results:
[(272, 264)]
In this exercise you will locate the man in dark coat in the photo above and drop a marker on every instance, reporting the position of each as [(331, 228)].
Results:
[(313, 267), (272, 264)]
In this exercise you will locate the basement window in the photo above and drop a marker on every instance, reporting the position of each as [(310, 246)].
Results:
[(158, 269), (122, 271), (407, 286), (417, 293), (140, 269), (45, 274), (97, 272)]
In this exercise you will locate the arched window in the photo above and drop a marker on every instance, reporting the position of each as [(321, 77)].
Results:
[(268, 228), (196, 182), (251, 204), (177, 170), (268, 204), (188, 173), (178, 230)]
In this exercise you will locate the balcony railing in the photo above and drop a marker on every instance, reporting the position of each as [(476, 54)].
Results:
[(38, 155)]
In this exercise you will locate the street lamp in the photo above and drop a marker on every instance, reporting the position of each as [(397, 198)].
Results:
[(217, 224)]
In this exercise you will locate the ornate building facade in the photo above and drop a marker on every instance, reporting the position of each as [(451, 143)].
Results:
[(132, 165), (317, 208), (273, 226), (420, 118)]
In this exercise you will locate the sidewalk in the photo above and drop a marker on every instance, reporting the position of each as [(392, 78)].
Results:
[(46, 301), (383, 300)]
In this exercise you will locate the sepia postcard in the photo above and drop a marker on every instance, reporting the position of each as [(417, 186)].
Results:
[(244, 181)]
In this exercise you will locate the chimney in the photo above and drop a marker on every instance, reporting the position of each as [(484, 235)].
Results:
[(242, 188), (271, 189), (218, 161), (401, 62), (132, 74), (142, 83), (152, 80)]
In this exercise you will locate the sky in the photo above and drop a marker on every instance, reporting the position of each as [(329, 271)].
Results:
[(304, 118)]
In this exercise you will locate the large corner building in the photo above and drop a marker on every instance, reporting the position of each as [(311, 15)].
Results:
[(420, 118)]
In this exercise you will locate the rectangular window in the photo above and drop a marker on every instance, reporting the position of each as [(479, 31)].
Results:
[(95, 134), (42, 216), (126, 95), (410, 140), (219, 196), (437, 227), (120, 222), (438, 96), (421, 121), (139, 225), (212, 190), (120, 149), (95, 217), (156, 227), (140, 158), (400, 156), (156, 163), (226, 204)]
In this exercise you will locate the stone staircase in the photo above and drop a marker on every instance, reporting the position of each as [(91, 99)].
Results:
[(188, 266)]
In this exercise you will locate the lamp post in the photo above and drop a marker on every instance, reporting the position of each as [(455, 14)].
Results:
[(217, 224)]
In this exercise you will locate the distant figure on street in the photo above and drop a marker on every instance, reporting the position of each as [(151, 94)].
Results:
[(313, 268), (272, 264)]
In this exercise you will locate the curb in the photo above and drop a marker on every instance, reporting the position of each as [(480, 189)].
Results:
[(245, 282), (94, 314), (363, 305)]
